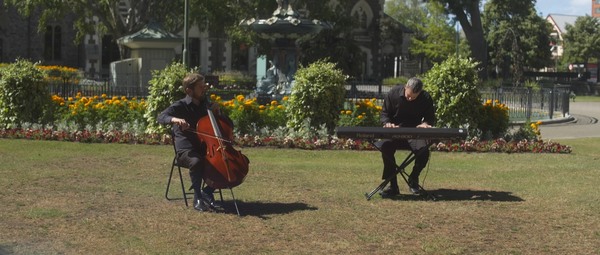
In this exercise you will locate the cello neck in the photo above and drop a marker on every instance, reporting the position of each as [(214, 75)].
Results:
[(213, 120)]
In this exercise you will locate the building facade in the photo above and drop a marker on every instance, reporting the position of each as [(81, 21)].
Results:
[(595, 8), (19, 38)]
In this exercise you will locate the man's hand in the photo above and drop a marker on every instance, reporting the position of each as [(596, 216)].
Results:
[(181, 123), (424, 125), (215, 108), (390, 125)]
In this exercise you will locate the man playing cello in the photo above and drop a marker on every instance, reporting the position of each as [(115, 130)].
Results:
[(191, 152)]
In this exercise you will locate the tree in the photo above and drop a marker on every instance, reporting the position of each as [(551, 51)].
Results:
[(517, 37), (432, 37), (437, 41), (468, 14), (582, 40), (337, 44)]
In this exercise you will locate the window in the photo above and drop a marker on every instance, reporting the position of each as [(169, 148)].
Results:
[(597, 10), (110, 51), (53, 43), (194, 52), (597, 1)]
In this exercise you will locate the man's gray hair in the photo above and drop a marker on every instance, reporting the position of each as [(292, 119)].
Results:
[(415, 84)]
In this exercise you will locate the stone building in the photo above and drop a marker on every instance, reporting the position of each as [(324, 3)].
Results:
[(19, 38)]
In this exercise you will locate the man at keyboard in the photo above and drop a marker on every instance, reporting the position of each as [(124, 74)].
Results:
[(406, 106)]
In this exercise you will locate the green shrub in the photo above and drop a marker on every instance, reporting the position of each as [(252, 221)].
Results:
[(317, 97), (493, 119), (165, 88), (392, 81), (528, 131), (235, 80), (453, 87), (24, 96)]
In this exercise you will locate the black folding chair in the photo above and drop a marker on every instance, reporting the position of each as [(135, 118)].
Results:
[(183, 191)]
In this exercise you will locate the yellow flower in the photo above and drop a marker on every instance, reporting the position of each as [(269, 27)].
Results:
[(360, 117), (274, 102), (104, 96), (285, 98), (348, 112)]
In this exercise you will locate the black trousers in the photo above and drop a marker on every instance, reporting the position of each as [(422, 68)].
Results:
[(388, 150), (194, 161)]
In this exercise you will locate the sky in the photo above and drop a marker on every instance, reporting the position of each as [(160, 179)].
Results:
[(570, 7)]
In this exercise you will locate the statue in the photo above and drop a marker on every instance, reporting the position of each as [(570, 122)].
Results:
[(285, 8), (268, 83)]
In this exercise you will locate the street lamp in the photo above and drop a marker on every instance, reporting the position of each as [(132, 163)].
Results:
[(186, 10)]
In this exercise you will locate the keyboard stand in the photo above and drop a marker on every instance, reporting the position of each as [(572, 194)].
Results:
[(400, 170)]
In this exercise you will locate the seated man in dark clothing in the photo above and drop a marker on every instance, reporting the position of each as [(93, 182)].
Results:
[(184, 115), (406, 106)]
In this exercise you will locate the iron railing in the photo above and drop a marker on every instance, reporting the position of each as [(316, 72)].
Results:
[(524, 103), (528, 104)]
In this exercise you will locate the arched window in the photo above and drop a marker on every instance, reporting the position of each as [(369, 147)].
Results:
[(53, 43), (363, 14)]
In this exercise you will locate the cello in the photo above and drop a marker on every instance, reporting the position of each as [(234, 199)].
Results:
[(225, 166)]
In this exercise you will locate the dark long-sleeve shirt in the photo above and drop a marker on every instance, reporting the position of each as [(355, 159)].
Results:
[(398, 110), (191, 113)]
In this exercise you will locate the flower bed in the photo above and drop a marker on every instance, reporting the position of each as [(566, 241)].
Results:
[(328, 143)]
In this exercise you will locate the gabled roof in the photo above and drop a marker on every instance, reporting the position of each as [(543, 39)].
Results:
[(152, 35), (561, 20)]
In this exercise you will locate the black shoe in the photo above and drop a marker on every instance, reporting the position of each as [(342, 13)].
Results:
[(201, 205), (209, 198), (413, 185), (390, 191)]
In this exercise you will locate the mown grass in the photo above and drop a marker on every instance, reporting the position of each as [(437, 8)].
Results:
[(75, 198), (587, 99)]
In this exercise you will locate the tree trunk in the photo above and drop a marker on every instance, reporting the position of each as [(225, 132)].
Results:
[(469, 16)]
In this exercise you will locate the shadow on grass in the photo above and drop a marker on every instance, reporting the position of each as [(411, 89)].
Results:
[(463, 195), (263, 210), (4, 250)]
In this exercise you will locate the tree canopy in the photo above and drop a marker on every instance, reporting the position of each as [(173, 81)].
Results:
[(582, 40), (468, 13), (518, 38)]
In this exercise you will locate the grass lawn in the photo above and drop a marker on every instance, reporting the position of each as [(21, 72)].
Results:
[(587, 99), (75, 198)]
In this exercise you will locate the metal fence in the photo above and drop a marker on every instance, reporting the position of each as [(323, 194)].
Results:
[(524, 103), (96, 88), (527, 104)]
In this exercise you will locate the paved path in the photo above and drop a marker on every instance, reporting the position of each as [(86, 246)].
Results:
[(585, 123)]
